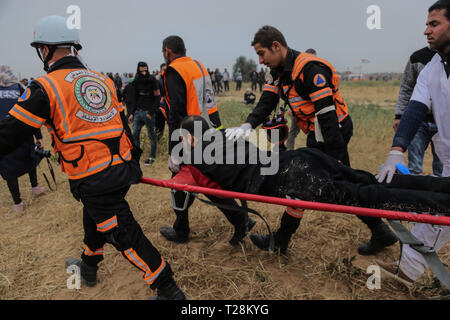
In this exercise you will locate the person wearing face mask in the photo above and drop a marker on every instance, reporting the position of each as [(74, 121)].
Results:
[(145, 97), (90, 134)]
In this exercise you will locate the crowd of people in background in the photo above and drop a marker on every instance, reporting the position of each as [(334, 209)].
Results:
[(221, 81)]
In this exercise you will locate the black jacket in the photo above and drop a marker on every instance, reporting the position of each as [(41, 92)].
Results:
[(23, 159), (142, 94)]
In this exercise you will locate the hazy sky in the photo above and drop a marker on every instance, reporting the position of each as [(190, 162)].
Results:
[(117, 34)]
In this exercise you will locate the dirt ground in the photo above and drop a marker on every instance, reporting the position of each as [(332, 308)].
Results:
[(322, 261)]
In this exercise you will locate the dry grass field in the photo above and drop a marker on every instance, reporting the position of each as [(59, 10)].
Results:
[(322, 261)]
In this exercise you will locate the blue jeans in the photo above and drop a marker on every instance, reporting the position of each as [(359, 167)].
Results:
[(417, 147), (139, 119)]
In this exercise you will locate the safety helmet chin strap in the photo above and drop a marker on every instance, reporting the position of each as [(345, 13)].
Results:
[(48, 58), (52, 49)]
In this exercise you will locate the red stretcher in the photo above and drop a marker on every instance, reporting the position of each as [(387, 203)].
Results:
[(185, 181)]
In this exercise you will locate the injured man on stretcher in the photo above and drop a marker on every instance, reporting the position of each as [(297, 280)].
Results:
[(306, 174)]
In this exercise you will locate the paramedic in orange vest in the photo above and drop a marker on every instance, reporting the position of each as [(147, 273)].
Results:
[(89, 132), (308, 85), (189, 91)]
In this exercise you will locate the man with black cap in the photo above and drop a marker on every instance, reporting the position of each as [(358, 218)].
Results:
[(145, 96)]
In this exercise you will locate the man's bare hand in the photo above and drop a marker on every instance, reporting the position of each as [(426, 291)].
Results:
[(396, 123)]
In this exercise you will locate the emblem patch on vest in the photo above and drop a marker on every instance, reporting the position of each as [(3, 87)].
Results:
[(95, 99), (319, 80), (25, 95)]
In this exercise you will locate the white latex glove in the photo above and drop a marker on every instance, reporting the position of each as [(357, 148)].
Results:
[(388, 168), (236, 132), (174, 165)]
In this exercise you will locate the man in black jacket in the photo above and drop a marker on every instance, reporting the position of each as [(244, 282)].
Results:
[(145, 95)]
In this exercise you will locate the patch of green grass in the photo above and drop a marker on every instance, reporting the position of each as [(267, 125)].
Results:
[(369, 83)]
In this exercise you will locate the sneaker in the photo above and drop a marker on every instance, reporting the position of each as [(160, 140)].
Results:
[(18, 207), (170, 234), (392, 270), (88, 273), (240, 233), (37, 190), (149, 161)]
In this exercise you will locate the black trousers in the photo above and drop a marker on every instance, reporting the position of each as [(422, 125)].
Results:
[(181, 224), (13, 185), (311, 175), (107, 218), (347, 132)]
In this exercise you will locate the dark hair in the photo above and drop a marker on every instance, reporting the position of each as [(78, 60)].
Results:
[(174, 43), (142, 64), (311, 51), (267, 35), (162, 65), (189, 123), (440, 5)]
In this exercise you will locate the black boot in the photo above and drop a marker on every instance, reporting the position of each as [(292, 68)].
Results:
[(382, 237), (88, 273), (263, 241), (288, 227), (169, 291), (241, 231), (170, 234)]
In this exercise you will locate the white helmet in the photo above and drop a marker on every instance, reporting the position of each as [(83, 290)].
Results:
[(53, 30)]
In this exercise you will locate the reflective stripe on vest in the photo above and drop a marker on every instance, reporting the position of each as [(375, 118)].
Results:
[(304, 108), (84, 113), (200, 92)]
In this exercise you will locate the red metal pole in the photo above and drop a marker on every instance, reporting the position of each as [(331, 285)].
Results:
[(388, 214)]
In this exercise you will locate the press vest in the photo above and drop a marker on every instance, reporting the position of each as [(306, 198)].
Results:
[(304, 108), (8, 97), (199, 89), (85, 123)]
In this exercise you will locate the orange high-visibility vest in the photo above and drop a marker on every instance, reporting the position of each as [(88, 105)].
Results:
[(304, 108), (199, 89), (84, 112)]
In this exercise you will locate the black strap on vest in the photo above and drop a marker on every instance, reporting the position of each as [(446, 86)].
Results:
[(75, 161)]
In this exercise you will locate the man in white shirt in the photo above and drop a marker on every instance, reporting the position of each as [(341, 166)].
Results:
[(433, 84)]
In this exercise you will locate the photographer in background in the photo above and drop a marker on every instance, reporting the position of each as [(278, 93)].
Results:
[(24, 159)]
